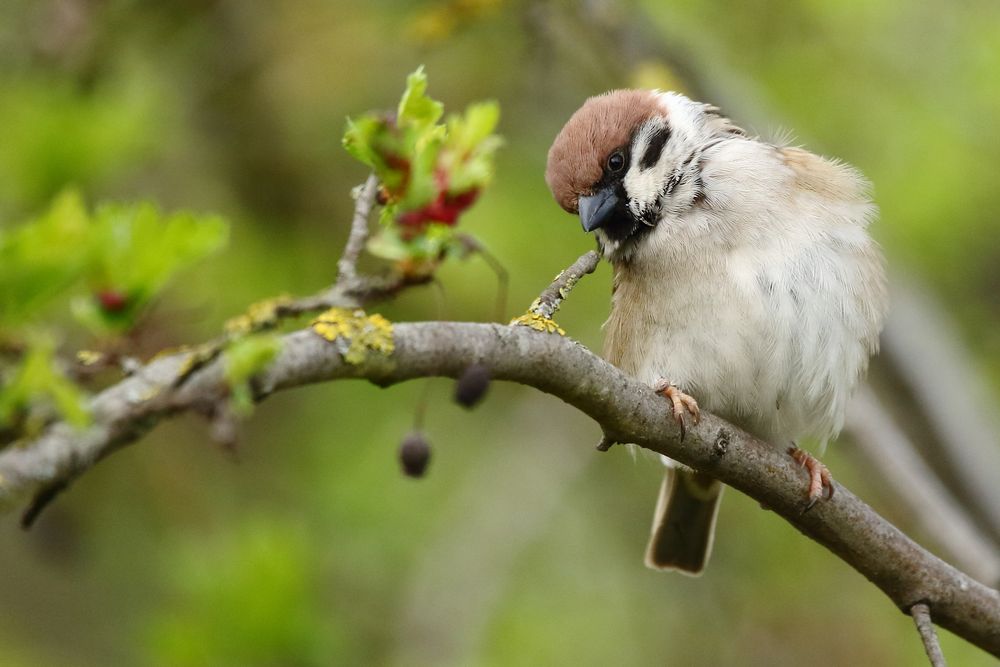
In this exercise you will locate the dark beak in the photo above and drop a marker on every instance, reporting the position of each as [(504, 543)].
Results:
[(597, 209)]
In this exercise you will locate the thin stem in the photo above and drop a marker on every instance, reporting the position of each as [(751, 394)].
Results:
[(347, 264), (922, 618)]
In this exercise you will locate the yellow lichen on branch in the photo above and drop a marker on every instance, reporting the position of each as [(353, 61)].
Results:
[(355, 333), (538, 322), (260, 315), (197, 357), (571, 281)]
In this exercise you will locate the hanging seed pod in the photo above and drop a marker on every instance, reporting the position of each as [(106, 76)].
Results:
[(472, 385), (414, 454)]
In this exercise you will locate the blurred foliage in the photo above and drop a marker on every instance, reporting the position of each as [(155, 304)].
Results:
[(517, 547), (37, 382), (248, 600), (41, 260), (110, 265), (64, 137), (137, 251)]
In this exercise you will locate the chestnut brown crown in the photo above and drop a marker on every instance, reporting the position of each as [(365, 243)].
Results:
[(604, 123)]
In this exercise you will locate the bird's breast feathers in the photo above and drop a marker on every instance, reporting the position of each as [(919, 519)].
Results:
[(765, 299)]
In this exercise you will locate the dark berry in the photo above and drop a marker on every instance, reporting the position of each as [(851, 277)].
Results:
[(472, 385), (414, 455)]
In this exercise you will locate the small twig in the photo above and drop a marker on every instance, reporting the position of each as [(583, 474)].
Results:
[(925, 626), (606, 443), (540, 312), (347, 264), (224, 425), (551, 298), (41, 500)]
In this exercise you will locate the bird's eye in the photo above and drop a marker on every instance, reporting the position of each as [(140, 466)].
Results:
[(616, 162)]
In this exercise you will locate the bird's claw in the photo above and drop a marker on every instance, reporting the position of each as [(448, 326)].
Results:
[(819, 476), (680, 403)]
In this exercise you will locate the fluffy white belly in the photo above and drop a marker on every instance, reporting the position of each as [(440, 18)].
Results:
[(771, 339)]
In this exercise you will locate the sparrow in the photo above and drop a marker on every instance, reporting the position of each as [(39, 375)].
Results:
[(745, 282)]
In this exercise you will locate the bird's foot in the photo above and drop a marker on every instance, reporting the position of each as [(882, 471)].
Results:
[(680, 403), (819, 476)]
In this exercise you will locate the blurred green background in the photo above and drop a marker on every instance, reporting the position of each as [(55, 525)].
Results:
[(523, 545)]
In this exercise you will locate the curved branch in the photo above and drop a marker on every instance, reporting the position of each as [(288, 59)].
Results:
[(627, 411)]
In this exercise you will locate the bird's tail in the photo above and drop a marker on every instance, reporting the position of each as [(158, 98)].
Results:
[(684, 524)]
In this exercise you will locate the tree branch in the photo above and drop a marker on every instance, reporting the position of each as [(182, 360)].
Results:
[(627, 411)]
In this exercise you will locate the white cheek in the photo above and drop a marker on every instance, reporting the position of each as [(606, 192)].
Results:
[(643, 187)]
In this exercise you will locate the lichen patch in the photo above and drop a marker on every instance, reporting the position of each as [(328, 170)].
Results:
[(538, 323), (260, 315), (355, 333)]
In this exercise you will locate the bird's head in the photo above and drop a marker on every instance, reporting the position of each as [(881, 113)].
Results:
[(629, 158)]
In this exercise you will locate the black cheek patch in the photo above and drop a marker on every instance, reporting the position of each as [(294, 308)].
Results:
[(654, 148)]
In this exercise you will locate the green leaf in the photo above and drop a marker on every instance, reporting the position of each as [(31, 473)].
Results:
[(416, 108), (360, 139), (423, 164), (428, 246), (430, 171), (465, 132), (469, 154), (388, 244)]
